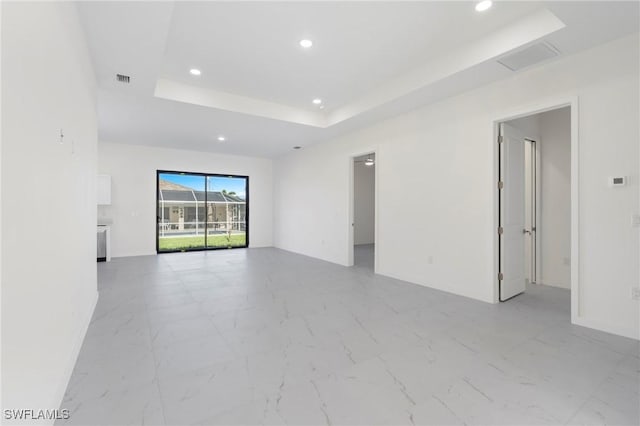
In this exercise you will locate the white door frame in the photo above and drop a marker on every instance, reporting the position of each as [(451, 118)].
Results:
[(350, 224), (549, 105)]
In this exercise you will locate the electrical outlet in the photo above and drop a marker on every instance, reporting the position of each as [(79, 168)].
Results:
[(635, 293)]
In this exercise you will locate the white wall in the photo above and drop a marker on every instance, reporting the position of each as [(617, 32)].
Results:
[(555, 202), (48, 191), (1, 133), (529, 125), (133, 191), (364, 203), (438, 162), (552, 131)]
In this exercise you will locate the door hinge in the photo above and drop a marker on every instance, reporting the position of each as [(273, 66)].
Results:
[(500, 184), (500, 230), (500, 276), (500, 139)]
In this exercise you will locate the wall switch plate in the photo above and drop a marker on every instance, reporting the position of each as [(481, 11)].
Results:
[(635, 293), (617, 181)]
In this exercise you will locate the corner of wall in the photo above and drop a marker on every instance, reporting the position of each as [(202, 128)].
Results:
[(75, 351)]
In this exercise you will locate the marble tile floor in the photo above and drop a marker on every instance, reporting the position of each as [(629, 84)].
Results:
[(267, 337), (363, 256)]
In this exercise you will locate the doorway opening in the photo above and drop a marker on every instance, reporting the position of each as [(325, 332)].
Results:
[(535, 203), (363, 223)]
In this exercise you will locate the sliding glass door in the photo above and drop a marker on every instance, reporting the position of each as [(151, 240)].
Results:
[(199, 211), (226, 211)]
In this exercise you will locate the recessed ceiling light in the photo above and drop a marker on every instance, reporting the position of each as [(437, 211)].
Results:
[(483, 5), (306, 43), (317, 101), (221, 138), (195, 71)]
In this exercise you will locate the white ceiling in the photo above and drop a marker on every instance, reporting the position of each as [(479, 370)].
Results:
[(248, 48), (370, 60)]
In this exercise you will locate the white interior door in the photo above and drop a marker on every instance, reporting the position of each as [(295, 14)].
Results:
[(512, 212)]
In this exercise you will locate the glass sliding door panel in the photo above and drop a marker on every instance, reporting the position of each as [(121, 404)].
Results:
[(181, 212), (226, 211)]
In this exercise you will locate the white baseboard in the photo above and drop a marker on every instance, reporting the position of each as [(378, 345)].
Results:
[(313, 256), (134, 254), (443, 289), (75, 351), (553, 285), (607, 328)]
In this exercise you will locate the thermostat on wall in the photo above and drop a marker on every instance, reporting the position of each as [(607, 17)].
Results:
[(617, 181)]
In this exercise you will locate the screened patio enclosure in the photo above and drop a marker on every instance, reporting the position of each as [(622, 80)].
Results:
[(195, 211), (183, 212)]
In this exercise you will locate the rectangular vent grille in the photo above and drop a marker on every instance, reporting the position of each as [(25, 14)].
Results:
[(531, 55), (123, 78)]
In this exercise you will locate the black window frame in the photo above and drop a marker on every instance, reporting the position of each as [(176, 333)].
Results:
[(205, 175)]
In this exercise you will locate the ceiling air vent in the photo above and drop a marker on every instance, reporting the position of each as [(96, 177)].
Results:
[(531, 55), (123, 78)]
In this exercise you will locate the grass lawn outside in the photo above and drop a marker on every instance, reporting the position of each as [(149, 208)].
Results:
[(181, 243)]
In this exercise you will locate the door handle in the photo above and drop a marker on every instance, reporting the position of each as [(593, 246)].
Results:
[(526, 231)]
